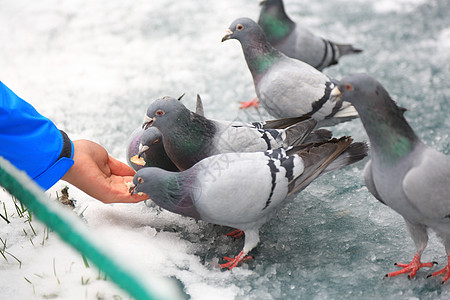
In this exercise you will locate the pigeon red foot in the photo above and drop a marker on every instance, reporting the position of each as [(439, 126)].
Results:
[(412, 267), (247, 104), (234, 262), (445, 271), (236, 234)]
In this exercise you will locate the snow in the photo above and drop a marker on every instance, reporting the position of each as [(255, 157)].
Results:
[(93, 67), (397, 6)]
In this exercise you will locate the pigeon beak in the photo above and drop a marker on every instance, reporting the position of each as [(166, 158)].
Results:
[(132, 187), (228, 35), (133, 191), (335, 95), (148, 122), (142, 149)]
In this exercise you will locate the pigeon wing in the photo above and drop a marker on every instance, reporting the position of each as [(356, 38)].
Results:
[(427, 184)]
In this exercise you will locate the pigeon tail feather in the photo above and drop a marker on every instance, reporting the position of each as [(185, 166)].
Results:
[(345, 49), (316, 159), (318, 136), (355, 152), (297, 134), (285, 122)]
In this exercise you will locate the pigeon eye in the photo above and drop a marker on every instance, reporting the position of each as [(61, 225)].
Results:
[(155, 141), (159, 112), (349, 87), (140, 180), (239, 27)]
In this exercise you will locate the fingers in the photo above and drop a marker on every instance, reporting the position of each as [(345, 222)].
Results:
[(118, 168), (118, 191), (134, 198), (100, 175)]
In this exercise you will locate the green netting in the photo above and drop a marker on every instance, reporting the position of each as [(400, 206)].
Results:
[(70, 229)]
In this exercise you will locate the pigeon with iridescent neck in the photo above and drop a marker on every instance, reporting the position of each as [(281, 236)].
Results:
[(189, 137), (244, 190), (287, 87), (145, 147), (403, 173), (297, 41)]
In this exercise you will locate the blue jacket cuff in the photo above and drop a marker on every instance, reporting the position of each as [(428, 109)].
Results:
[(56, 171)]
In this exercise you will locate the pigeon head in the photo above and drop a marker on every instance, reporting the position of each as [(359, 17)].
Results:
[(366, 94), (152, 151), (151, 137), (274, 20), (149, 181), (258, 52), (243, 29), (388, 131), (271, 3), (163, 112), (274, 8), (166, 189)]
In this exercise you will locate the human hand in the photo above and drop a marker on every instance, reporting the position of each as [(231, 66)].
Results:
[(100, 175)]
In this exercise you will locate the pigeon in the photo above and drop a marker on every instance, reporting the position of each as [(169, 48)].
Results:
[(152, 149), (287, 87), (145, 149), (244, 190), (189, 137), (403, 173), (297, 41)]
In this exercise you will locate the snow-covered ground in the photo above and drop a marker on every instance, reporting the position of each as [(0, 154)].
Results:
[(94, 66)]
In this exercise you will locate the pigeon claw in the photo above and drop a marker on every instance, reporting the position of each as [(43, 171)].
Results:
[(235, 234), (412, 267), (247, 104), (234, 262), (445, 271)]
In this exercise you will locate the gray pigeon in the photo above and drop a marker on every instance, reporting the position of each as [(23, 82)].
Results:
[(147, 150), (189, 137), (244, 190), (152, 150), (287, 87), (297, 41), (403, 173)]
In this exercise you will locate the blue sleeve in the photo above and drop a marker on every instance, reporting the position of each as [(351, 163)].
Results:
[(32, 142)]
